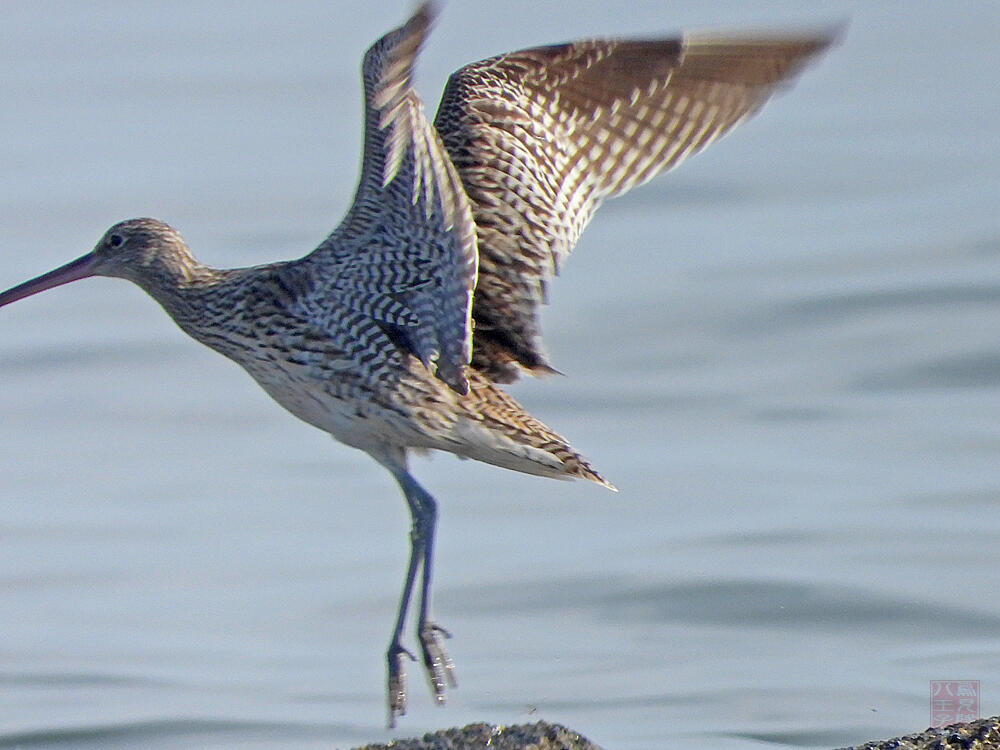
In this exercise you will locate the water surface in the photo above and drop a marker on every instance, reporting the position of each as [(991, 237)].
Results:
[(785, 355)]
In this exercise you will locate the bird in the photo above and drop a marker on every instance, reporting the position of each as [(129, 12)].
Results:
[(396, 333)]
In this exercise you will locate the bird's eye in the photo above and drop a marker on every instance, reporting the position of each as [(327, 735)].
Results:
[(116, 240)]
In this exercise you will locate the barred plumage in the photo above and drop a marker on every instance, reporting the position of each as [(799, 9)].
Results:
[(543, 136), (393, 334)]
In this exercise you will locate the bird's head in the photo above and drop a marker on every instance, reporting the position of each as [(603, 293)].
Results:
[(145, 251)]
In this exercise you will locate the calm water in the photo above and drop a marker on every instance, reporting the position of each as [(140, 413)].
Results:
[(785, 355)]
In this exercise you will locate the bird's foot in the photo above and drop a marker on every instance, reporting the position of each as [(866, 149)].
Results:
[(397, 681), (440, 667)]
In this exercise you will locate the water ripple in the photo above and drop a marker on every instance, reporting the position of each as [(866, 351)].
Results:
[(740, 603), (832, 308), (974, 370), (139, 733)]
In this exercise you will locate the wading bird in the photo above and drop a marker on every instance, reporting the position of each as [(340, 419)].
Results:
[(395, 332)]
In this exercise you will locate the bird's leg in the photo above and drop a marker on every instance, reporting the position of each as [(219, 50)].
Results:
[(396, 652), (440, 670)]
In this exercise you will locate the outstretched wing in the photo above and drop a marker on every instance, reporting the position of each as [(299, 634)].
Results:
[(404, 259), (542, 136)]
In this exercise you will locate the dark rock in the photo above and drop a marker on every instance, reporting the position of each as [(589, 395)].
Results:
[(983, 734), (540, 736)]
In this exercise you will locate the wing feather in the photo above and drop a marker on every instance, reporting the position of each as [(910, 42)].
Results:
[(405, 255), (541, 137)]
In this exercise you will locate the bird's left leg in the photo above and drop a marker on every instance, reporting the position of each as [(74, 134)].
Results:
[(423, 512)]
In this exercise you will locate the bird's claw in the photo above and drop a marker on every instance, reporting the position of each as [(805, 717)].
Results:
[(440, 667), (397, 681)]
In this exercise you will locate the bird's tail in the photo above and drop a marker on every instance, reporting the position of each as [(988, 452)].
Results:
[(503, 433)]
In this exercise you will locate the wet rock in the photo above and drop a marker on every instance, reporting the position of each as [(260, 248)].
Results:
[(983, 734), (540, 736)]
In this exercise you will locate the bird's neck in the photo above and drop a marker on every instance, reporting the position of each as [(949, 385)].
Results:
[(180, 284)]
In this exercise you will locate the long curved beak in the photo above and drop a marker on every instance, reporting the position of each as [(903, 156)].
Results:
[(80, 268)]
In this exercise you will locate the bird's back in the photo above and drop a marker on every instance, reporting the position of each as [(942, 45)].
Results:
[(394, 331)]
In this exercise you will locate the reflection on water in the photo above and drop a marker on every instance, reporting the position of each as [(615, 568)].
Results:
[(785, 355)]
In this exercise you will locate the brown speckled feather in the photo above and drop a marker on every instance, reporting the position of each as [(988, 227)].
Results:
[(542, 136), (370, 337)]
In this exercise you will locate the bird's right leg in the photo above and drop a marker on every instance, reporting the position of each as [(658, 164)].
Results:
[(396, 652), (423, 513)]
